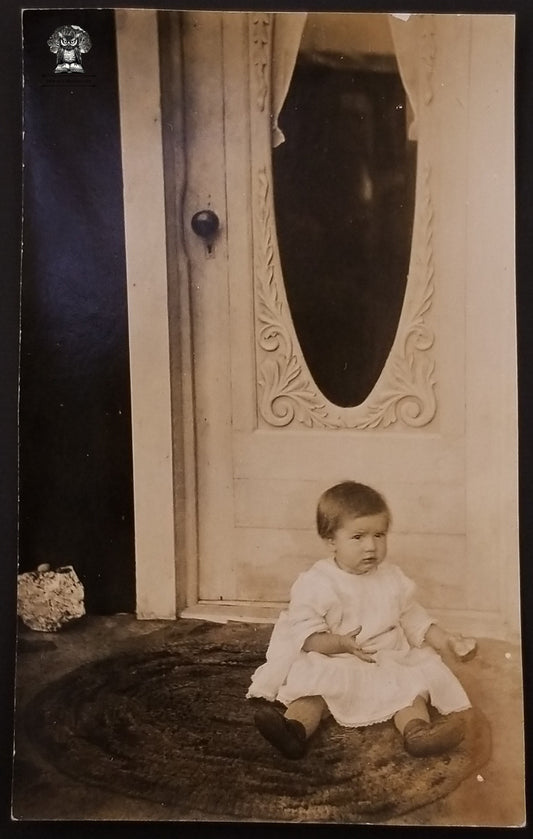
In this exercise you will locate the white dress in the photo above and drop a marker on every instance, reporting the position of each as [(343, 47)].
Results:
[(328, 599)]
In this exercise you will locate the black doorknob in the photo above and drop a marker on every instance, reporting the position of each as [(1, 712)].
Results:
[(205, 224)]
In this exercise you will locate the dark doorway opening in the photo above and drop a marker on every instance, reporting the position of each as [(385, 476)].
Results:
[(76, 485)]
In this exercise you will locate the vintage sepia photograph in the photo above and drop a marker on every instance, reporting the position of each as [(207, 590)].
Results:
[(268, 564)]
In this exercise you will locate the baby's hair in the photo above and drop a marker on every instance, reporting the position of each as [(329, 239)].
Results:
[(347, 499)]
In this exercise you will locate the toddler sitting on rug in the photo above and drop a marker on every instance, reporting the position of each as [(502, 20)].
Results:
[(355, 643)]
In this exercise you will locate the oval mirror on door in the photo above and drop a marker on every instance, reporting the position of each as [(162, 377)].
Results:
[(344, 187)]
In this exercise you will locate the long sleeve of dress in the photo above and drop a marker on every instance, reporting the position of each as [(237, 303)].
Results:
[(414, 619), (312, 607)]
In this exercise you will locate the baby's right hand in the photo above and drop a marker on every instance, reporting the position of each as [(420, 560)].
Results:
[(349, 644)]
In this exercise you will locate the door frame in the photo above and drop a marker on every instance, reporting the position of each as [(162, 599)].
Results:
[(162, 387), (148, 312)]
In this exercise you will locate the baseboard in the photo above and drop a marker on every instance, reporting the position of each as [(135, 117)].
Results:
[(242, 612)]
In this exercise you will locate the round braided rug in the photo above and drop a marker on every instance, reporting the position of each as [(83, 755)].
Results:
[(171, 724)]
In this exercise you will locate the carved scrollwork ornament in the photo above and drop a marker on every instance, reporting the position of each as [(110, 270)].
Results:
[(405, 391), (261, 34), (428, 53)]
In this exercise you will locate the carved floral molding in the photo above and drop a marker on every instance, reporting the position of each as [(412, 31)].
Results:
[(427, 52), (286, 389), (287, 394), (261, 28)]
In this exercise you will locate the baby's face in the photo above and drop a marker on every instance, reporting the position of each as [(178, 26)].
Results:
[(360, 544)]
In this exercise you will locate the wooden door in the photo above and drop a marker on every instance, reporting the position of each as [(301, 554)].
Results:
[(431, 433)]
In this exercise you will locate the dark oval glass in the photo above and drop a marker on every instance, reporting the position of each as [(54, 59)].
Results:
[(344, 187)]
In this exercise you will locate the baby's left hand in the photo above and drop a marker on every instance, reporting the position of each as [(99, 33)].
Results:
[(463, 648)]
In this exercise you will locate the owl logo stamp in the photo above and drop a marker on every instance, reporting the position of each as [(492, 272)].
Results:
[(69, 43)]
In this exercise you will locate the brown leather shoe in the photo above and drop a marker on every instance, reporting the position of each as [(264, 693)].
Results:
[(422, 739), (286, 735)]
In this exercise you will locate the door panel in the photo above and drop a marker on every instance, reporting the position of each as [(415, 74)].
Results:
[(274, 557), (270, 454), (437, 508), (268, 441), (260, 470)]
